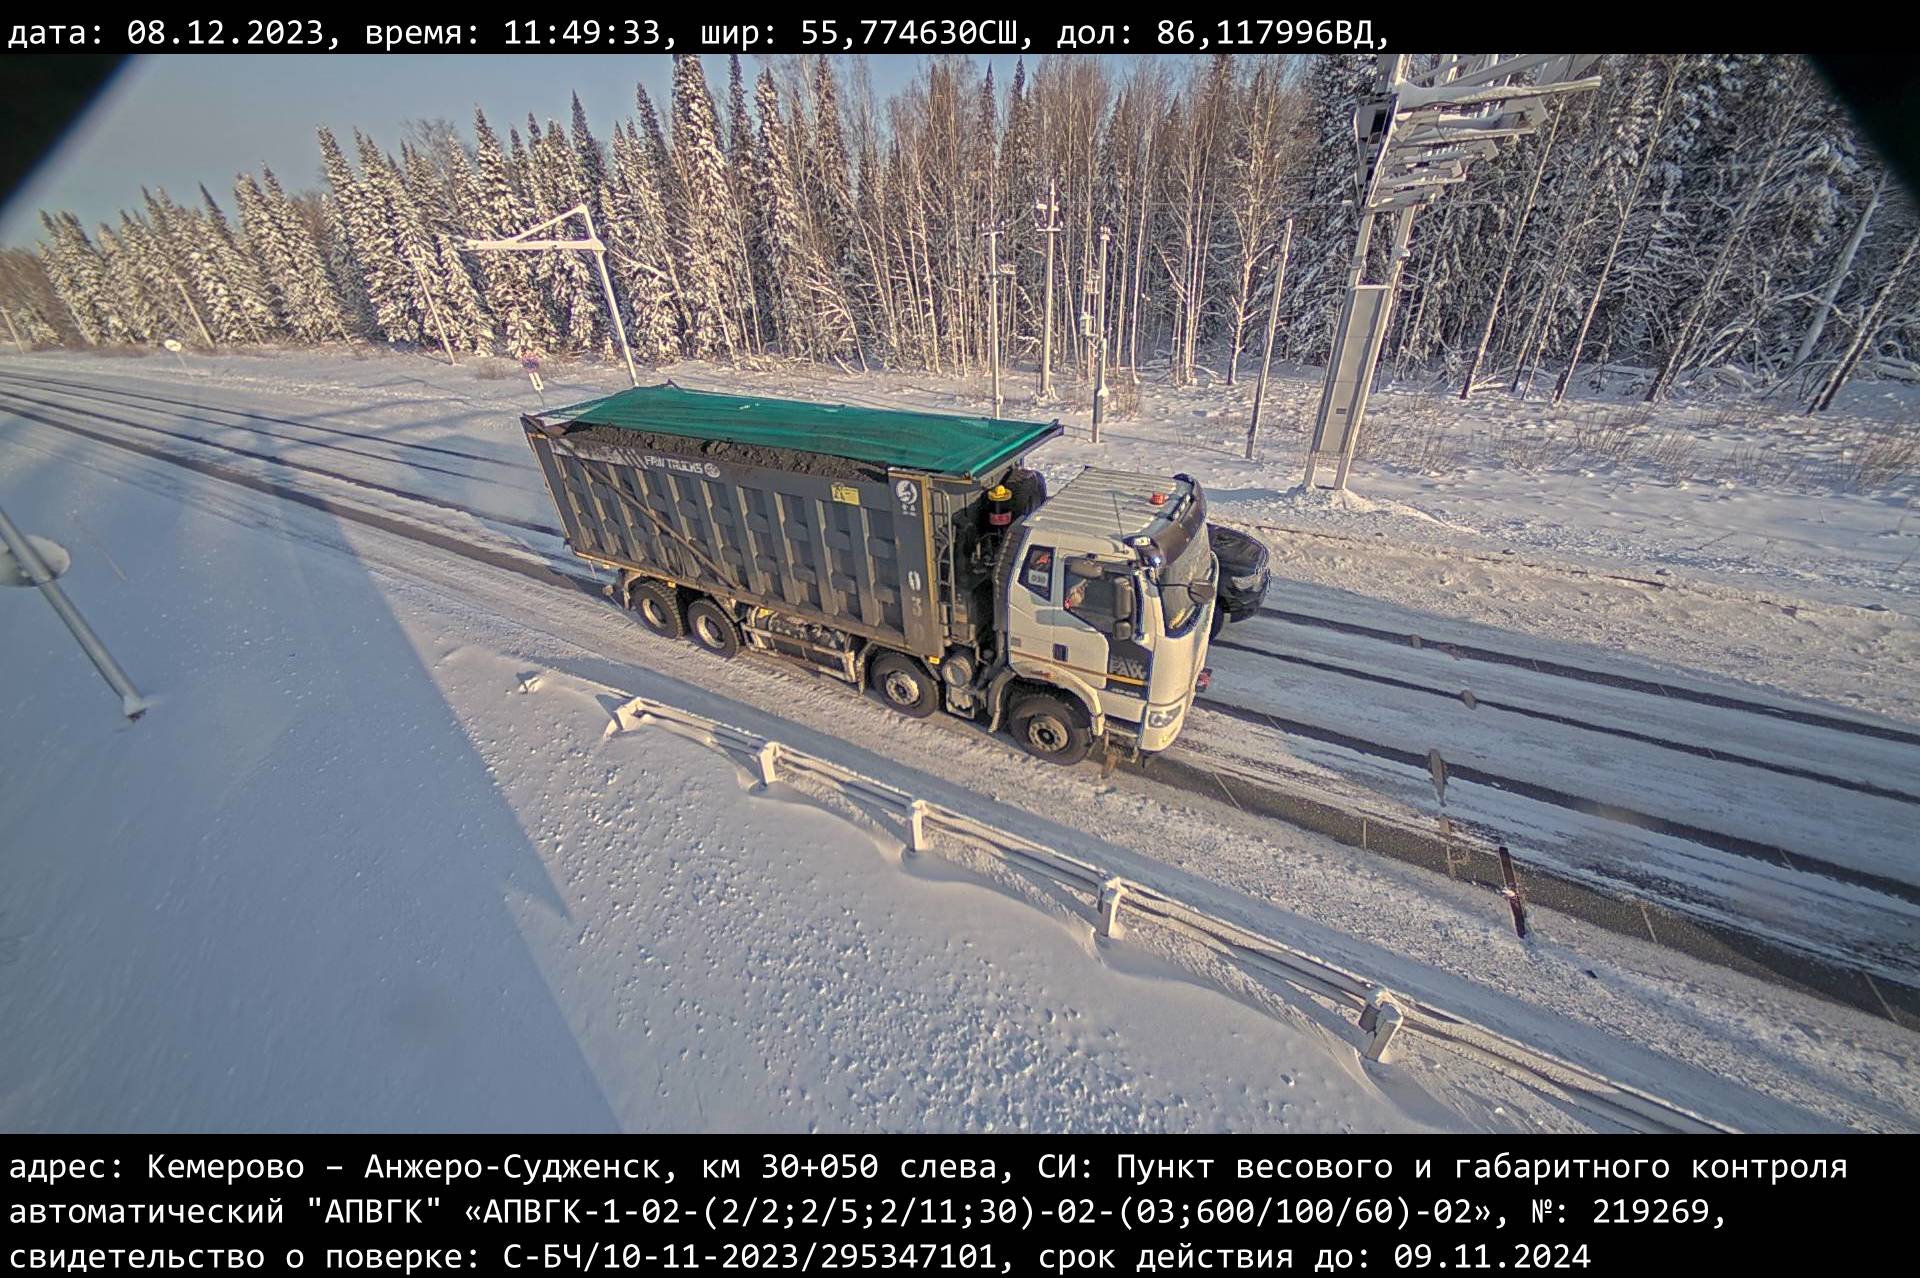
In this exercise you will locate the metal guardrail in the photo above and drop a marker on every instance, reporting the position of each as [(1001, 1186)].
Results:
[(1116, 903)]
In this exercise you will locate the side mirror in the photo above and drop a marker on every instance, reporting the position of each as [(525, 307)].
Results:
[(1123, 608)]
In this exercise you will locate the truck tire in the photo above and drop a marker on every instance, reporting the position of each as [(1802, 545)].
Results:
[(1051, 728), (1218, 623), (709, 626), (658, 606), (904, 685)]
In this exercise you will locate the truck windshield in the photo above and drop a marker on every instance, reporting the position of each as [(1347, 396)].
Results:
[(1185, 583)]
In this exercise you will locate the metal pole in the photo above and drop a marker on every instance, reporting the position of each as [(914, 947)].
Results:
[(613, 307), (1403, 228), (132, 704), (1355, 273), (195, 312), (993, 311), (1273, 323), (1100, 339), (1046, 310), (433, 310)]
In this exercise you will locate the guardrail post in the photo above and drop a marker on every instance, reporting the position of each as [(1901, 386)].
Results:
[(917, 825), (1515, 905), (1381, 1019), (1111, 925), (769, 759)]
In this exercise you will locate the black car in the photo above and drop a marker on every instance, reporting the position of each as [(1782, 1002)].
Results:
[(1243, 574)]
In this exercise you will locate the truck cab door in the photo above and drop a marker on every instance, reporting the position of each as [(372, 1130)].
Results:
[(1043, 637)]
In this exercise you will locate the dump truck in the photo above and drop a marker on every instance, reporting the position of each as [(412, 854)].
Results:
[(910, 554)]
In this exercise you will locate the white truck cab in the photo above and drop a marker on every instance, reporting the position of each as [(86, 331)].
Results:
[(1110, 593)]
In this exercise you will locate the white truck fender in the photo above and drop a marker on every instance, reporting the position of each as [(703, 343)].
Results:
[(1065, 681)]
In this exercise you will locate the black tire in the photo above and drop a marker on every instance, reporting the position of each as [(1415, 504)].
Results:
[(1051, 728), (904, 685), (1219, 622), (709, 626), (658, 606)]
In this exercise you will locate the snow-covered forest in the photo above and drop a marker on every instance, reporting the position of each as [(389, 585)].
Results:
[(1698, 214)]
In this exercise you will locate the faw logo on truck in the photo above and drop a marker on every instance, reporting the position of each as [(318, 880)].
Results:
[(658, 462)]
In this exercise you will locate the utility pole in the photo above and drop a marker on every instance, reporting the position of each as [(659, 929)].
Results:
[(1100, 337), (432, 309), (1396, 261), (26, 558), (193, 310), (993, 311), (1273, 322), (521, 243), (1051, 212), (13, 331)]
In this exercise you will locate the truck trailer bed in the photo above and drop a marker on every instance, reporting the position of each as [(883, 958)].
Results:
[(853, 518)]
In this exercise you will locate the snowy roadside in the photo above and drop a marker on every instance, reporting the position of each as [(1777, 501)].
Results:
[(1822, 1058)]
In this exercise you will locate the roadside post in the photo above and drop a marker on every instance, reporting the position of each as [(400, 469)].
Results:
[(34, 571)]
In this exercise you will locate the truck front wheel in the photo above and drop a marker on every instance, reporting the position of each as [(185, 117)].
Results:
[(1051, 728), (709, 626), (904, 685), (659, 608)]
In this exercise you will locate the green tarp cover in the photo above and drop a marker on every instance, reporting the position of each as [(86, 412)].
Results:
[(912, 441)]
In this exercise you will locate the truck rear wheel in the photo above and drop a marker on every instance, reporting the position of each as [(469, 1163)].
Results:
[(1051, 728), (709, 626), (659, 607), (904, 685)]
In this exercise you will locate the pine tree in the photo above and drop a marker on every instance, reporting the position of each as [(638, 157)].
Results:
[(642, 252), (154, 263), (323, 312), (77, 275), (1021, 189), (129, 312), (499, 213), (470, 325), (395, 246), (240, 267), (707, 218), (369, 245), (268, 245), (26, 294), (781, 228), (172, 251)]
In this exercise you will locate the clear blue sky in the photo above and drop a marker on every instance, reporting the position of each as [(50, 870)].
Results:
[(178, 120)]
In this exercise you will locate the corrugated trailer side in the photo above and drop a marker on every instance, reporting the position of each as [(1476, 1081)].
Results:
[(853, 551)]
